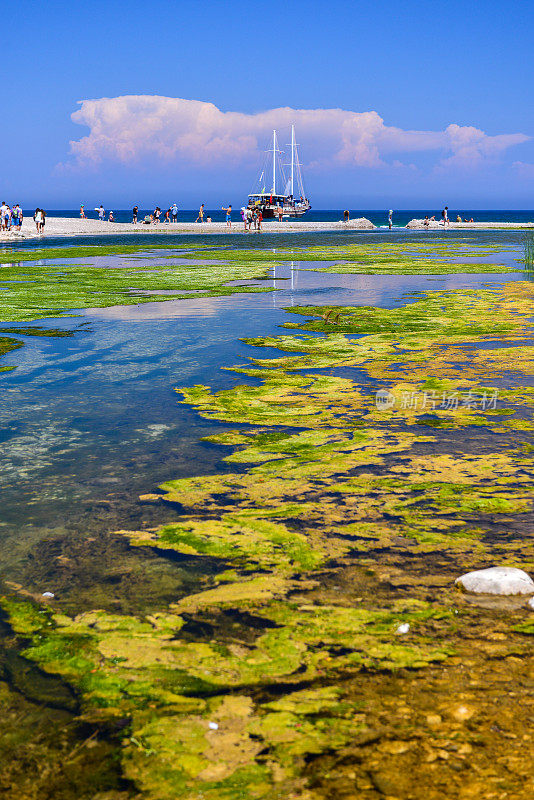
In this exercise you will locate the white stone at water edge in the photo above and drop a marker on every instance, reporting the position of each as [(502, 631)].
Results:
[(530, 603), (496, 580)]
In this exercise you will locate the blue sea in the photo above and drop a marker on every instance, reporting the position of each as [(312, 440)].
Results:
[(378, 217)]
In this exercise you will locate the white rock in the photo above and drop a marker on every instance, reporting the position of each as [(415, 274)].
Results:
[(361, 222), (530, 603), (48, 594), (403, 628), (496, 580), (213, 726)]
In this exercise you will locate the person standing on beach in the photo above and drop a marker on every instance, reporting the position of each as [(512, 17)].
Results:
[(82, 212), (228, 216), (38, 218), (346, 216), (101, 213), (200, 214), (174, 212), (18, 216), (390, 218), (135, 211), (445, 216), (3, 210), (260, 219)]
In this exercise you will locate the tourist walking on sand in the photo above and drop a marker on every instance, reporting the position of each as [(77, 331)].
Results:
[(228, 216), (244, 217), (135, 211), (174, 212), (82, 212), (249, 218), (390, 218), (200, 214), (445, 216), (101, 213), (17, 217), (38, 219), (260, 220), (3, 214), (346, 216)]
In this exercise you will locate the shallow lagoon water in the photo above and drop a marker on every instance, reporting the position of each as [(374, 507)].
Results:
[(93, 419)]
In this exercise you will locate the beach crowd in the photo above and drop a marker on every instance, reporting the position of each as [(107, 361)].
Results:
[(252, 218), (11, 218)]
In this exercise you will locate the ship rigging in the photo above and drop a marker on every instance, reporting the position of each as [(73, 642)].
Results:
[(286, 203)]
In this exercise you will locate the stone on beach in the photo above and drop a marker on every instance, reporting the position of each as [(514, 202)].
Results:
[(496, 580)]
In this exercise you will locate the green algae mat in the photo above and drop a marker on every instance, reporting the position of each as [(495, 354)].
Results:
[(325, 652), (56, 286), (414, 258)]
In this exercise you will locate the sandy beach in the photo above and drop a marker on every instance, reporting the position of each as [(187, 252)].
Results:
[(67, 226)]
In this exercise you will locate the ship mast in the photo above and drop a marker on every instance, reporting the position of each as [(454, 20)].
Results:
[(274, 162), (292, 158)]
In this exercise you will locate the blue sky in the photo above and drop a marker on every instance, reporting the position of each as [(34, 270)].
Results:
[(408, 105)]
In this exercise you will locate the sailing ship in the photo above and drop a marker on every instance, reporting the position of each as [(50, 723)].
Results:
[(273, 202)]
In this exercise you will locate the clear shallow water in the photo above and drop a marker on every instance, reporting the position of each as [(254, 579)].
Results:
[(89, 422)]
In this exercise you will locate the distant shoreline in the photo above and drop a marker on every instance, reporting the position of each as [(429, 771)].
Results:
[(68, 226)]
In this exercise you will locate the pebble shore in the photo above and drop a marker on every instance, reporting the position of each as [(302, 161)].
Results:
[(66, 226)]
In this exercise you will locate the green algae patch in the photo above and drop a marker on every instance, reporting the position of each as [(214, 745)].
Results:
[(31, 292), (187, 736), (377, 258), (92, 251), (7, 345), (235, 537)]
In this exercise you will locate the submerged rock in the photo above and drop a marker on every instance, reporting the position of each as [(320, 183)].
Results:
[(496, 580)]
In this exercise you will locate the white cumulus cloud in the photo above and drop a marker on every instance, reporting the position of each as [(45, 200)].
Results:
[(131, 128)]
